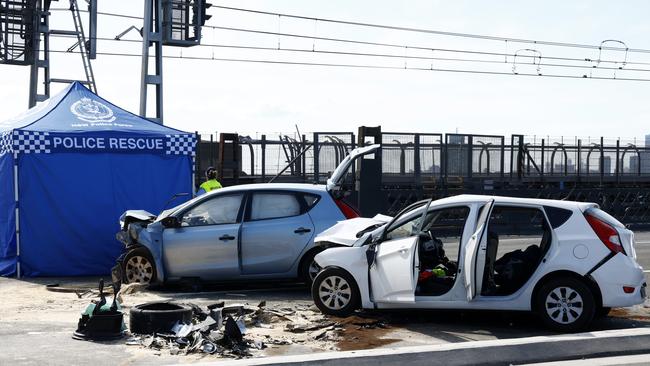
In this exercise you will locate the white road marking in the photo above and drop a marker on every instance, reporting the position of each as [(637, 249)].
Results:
[(603, 361), (588, 336)]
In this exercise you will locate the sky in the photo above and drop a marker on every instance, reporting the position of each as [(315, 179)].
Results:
[(255, 98)]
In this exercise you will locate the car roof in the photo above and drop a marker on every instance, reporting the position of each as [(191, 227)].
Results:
[(305, 187), (475, 198)]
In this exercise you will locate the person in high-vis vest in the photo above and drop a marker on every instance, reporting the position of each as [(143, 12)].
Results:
[(211, 183)]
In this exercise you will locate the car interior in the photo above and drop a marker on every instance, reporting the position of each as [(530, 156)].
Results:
[(439, 249), (517, 240)]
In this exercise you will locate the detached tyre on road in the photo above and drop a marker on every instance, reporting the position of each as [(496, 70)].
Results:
[(335, 292), (565, 304), (139, 267), (158, 317)]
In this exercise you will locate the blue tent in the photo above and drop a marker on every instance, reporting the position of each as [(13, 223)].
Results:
[(68, 169)]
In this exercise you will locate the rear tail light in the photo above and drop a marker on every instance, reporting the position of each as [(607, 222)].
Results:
[(346, 209), (606, 233)]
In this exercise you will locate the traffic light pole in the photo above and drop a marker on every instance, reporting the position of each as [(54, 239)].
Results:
[(152, 35)]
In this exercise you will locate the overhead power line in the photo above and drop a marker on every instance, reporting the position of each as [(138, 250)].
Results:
[(407, 29), (359, 66), (404, 57), (437, 32)]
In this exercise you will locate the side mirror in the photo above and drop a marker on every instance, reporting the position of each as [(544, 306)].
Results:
[(171, 222)]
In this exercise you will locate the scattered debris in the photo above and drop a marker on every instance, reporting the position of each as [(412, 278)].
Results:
[(100, 321)]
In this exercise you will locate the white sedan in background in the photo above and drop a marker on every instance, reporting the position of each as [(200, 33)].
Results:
[(567, 261)]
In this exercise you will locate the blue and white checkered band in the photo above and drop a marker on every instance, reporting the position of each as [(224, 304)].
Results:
[(5, 142), (180, 144), (28, 142)]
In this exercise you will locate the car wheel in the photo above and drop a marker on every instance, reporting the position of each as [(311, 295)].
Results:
[(309, 268), (139, 267), (335, 292), (565, 304)]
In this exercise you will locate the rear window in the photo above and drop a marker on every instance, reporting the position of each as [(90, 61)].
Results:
[(604, 216), (310, 200), (557, 216)]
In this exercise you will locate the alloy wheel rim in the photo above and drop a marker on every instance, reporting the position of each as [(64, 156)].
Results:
[(139, 270), (335, 292), (564, 305), (313, 270)]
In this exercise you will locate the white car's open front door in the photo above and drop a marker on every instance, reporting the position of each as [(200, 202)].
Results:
[(474, 258), (393, 276), (394, 272)]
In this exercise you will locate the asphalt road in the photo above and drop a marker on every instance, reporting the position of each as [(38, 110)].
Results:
[(48, 342)]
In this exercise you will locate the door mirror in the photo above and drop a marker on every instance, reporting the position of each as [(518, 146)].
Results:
[(171, 222)]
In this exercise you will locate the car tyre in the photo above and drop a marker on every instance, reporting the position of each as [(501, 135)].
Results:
[(139, 267), (565, 304), (309, 268), (158, 317), (335, 292)]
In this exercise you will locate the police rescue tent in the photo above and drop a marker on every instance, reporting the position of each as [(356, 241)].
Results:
[(68, 169)]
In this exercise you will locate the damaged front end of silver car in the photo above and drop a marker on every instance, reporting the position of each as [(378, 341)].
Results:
[(132, 224)]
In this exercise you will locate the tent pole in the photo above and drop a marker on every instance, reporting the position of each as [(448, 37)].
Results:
[(18, 274)]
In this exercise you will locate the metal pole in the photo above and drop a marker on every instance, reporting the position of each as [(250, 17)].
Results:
[(92, 16), (18, 274), (36, 45), (146, 32)]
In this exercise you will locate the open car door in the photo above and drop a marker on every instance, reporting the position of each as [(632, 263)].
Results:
[(394, 274), (474, 259)]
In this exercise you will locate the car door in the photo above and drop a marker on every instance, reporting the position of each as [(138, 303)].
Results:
[(275, 232), (393, 275), (474, 257), (205, 245)]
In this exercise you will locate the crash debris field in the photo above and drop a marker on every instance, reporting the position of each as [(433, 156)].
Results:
[(273, 320)]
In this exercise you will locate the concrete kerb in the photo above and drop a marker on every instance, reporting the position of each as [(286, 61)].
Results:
[(495, 352)]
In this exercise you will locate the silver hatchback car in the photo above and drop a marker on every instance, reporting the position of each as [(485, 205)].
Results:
[(252, 231)]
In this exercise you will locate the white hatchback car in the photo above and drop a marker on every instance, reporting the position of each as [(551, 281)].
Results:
[(567, 261)]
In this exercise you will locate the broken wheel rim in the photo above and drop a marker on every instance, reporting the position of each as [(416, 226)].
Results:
[(335, 292), (564, 305), (139, 270)]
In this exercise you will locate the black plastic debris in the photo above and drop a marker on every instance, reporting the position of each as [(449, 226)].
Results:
[(100, 321), (232, 333)]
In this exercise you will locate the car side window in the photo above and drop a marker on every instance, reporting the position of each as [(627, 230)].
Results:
[(216, 211), (273, 205)]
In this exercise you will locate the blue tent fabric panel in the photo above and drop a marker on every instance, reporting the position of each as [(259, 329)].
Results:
[(7, 216), (70, 205), (80, 110)]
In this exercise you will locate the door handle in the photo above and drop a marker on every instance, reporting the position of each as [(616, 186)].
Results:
[(301, 230), (226, 237)]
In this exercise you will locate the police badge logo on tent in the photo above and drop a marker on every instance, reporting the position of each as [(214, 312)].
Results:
[(89, 110)]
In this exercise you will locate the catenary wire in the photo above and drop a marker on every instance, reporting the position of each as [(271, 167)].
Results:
[(362, 66), (384, 55), (420, 30), (430, 31)]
